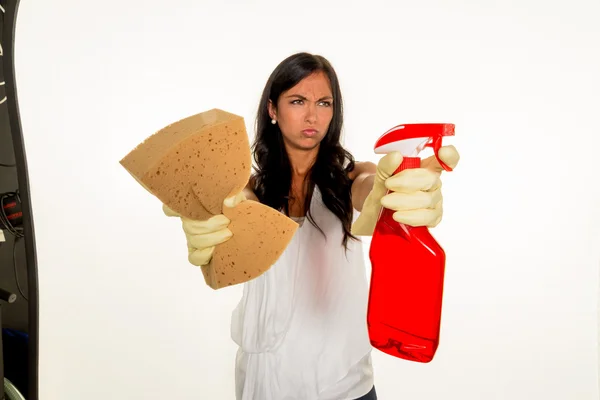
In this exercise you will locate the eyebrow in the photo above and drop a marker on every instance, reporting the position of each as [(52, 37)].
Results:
[(304, 98)]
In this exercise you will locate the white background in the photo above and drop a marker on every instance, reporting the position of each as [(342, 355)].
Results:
[(122, 313)]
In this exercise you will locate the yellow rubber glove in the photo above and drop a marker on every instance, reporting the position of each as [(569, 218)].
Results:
[(203, 236), (415, 196)]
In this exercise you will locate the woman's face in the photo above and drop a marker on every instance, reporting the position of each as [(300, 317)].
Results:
[(304, 112)]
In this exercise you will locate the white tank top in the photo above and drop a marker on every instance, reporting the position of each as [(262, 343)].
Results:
[(301, 326)]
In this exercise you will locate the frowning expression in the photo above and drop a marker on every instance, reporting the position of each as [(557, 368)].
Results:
[(304, 112)]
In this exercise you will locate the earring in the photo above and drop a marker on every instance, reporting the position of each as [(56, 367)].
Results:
[(273, 121)]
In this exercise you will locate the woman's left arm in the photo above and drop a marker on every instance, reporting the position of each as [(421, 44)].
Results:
[(363, 177)]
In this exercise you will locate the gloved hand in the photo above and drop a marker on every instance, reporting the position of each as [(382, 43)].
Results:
[(415, 196), (203, 236)]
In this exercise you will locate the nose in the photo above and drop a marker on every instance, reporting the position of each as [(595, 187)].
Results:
[(311, 113)]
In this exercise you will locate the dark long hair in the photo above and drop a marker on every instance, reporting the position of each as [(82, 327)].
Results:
[(273, 173)]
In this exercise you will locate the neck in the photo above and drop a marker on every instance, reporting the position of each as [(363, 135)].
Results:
[(301, 161)]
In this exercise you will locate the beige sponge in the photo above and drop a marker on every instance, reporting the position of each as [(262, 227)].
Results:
[(192, 166)]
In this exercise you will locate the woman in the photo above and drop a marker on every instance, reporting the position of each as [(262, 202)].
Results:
[(301, 326)]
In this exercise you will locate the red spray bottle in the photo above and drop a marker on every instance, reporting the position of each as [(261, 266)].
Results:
[(407, 263)]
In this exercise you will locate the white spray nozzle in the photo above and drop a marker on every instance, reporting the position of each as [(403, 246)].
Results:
[(407, 147), (411, 139)]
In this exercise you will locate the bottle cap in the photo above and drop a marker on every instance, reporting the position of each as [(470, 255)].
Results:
[(431, 133)]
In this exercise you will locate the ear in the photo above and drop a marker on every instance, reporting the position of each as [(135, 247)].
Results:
[(272, 110)]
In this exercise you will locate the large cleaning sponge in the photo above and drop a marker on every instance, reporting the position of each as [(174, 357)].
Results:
[(192, 166)]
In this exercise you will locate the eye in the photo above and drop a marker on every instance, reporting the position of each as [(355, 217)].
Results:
[(297, 101), (326, 103)]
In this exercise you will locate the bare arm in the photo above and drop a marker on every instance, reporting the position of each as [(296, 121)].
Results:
[(363, 176), (249, 192)]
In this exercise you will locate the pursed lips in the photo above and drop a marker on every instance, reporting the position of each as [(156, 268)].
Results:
[(310, 132)]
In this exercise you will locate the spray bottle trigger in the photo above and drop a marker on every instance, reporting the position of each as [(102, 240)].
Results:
[(436, 144)]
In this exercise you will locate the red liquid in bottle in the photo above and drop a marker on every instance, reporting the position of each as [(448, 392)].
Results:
[(407, 280)]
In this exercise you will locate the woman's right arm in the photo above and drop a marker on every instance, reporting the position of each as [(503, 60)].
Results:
[(249, 190)]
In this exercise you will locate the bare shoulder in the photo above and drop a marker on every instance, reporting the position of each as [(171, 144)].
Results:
[(362, 167)]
